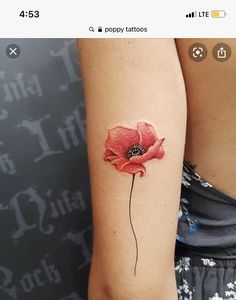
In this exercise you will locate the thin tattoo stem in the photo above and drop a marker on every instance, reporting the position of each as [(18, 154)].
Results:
[(132, 227)]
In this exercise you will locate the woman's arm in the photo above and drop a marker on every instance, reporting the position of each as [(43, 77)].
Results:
[(133, 88)]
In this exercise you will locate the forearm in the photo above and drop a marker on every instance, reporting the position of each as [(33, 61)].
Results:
[(130, 82)]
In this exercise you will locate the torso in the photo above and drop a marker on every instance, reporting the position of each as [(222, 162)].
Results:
[(211, 125)]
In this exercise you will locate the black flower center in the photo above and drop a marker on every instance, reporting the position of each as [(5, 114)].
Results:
[(134, 150)]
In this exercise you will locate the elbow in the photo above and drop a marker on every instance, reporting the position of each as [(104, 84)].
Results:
[(160, 283), (135, 293)]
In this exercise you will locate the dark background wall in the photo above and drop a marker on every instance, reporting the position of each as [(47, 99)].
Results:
[(45, 213)]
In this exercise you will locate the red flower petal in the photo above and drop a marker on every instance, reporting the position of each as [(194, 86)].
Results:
[(120, 139), (124, 165), (120, 163), (155, 151), (160, 153), (109, 155), (134, 169), (147, 135)]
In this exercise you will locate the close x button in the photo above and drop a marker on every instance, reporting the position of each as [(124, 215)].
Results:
[(13, 51)]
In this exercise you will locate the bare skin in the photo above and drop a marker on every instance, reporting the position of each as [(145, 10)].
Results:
[(126, 81), (211, 96)]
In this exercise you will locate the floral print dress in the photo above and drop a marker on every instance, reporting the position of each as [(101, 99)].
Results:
[(205, 254)]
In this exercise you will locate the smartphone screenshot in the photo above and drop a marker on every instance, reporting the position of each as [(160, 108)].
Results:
[(118, 150)]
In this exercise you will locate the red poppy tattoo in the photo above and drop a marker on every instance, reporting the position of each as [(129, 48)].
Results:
[(128, 149)]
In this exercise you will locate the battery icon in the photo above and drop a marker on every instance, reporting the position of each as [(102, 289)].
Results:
[(218, 13)]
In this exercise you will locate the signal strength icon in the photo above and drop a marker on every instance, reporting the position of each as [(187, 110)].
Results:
[(192, 15)]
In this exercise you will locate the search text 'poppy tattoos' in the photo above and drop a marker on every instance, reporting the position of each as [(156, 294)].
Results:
[(128, 149)]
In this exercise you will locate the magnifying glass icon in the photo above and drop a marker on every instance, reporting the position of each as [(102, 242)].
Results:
[(91, 28)]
